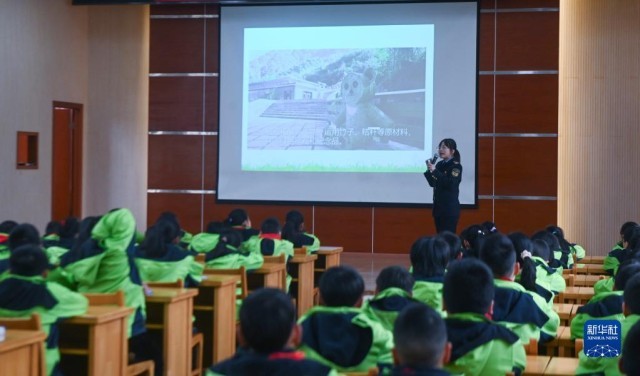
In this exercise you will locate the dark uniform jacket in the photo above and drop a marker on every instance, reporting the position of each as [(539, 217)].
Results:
[(445, 180), (282, 363)]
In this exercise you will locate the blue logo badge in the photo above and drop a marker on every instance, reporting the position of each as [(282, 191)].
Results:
[(602, 338)]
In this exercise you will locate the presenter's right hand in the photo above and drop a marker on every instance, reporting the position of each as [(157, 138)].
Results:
[(430, 165)]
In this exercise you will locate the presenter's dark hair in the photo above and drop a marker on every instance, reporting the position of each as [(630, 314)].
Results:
[(395, 276), (451, 144), (457, 293), (341, 286), (429, 257), (419, 336), (267, 317), (28, 260), (23, 234), (270, 226), (499, 255)]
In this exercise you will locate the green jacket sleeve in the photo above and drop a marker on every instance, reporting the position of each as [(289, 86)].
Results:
[(69, 303)]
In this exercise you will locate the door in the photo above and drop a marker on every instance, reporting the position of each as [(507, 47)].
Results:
[(66, 160)]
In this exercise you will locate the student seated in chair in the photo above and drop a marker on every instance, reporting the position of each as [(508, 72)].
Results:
[(228, 255), (270, 243), (420, 340), (268, 336), (479, 346), (294, 232), (394, 287), (206, 241), (630, 362), (24, 290), (429, 259), (337, 333)]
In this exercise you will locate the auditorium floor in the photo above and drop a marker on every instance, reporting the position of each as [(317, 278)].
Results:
[(370, 264)]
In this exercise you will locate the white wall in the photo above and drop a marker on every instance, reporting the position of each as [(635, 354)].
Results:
[(96, 56)]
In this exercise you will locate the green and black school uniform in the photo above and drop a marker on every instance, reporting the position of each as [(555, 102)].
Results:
[(482, 347), (613, 260), (204, 242), (524, 312), (176, 264), (604, 285), (21, 296), (271, 245), (345, 339), (549, 276), (386, 305), (285, 362), (4, 252), (428, 290), (304, 239), (224, 256), (564, 258), (105, 264), (605, 306), (413, 371)]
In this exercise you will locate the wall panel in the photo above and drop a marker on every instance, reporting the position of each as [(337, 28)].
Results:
[(177, 52), (526, 166), (185, 206), (175, 103), (175, 162), (527, 40), (527, 103)]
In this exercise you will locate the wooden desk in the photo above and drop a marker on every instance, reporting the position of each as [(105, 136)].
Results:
[(576, 295), (95, 343), (328, 256), (22, 352), (215, 311), (593, 260), (586, 280), (562, 366), (536, 364), (595, 269), (302, 282), (564, 312), (269, 275), (169, 320)]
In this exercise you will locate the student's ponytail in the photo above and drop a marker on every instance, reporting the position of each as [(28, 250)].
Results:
[(154, 244), (528, 274)]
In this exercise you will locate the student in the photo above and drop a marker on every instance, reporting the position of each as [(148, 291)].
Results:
[(160, 259), (455, 244), (67, 235), (542, 256), (429, 259), (5, 229), (489, 228), (270, 243), (524, 312), (420, 342), (478, 345), (630, 238), (238, 219), (631, 309), (184, 238), (337, 333), (560, 258), (528, 276), (23, 234), (574, 249), (293, 231), (630, 362), (472, 239), (104, 263), (51, 234), (268, 335), (608, 305), (206, 241), (394, 287), (24, 291), (227, 253)]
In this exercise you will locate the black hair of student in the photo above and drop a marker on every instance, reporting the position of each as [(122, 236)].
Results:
[(553, 244), (541, 249), (236, 217), (489, 227), (455, 244), (23, 234), (70, 228), (84, 232), (28, 260), (395, 276), (341, 286), (457, 294), (528, 267), (429, 257), (155, 241), (499, 255), (7, 226), (230, 237), (627, 225), (634, 239), (629, 233), (474, 251), (471, 234), (632, 294), (53, 227), (419, 336), (215, 227), (451, 144), (559, 234), (630, 362), (626, 270), (270, 226), (293, 224), (267, 317), (169, 216)]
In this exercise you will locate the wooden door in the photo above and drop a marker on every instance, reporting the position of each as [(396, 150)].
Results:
[(66, 161)]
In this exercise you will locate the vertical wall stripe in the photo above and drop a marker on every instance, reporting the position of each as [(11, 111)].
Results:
[(598, 134)]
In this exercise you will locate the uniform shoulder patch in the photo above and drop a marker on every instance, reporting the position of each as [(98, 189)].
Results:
[(455, 172)]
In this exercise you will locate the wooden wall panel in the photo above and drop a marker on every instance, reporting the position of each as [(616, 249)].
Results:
[(175, 103), (185, 206), (539, 214), (527, 103), (173, 9), (508, 4), (526, 166), (486, 37), (349, 227), (395, 229), (176, 52), (484, 212), (212, 104), (210, 171), (485, 165), (212, 46), (527, 40), (485, 104), (175, 162)]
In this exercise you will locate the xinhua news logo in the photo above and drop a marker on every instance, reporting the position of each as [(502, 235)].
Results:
[(602, 338)]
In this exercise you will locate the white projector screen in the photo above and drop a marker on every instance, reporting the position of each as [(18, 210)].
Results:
[(344, 102)]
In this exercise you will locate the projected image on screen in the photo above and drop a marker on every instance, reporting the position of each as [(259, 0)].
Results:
[(307, 102)]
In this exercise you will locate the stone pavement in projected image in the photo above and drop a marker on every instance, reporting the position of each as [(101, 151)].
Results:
[(286, 134)]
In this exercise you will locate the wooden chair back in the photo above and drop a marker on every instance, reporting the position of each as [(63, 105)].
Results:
[(300, 251), (532, 347), (31, 323), (201, 258), (116, 299), (282, 259), (241, 272), (178, 284)]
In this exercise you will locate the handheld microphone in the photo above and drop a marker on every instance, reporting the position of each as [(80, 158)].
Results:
[(434, 159)]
